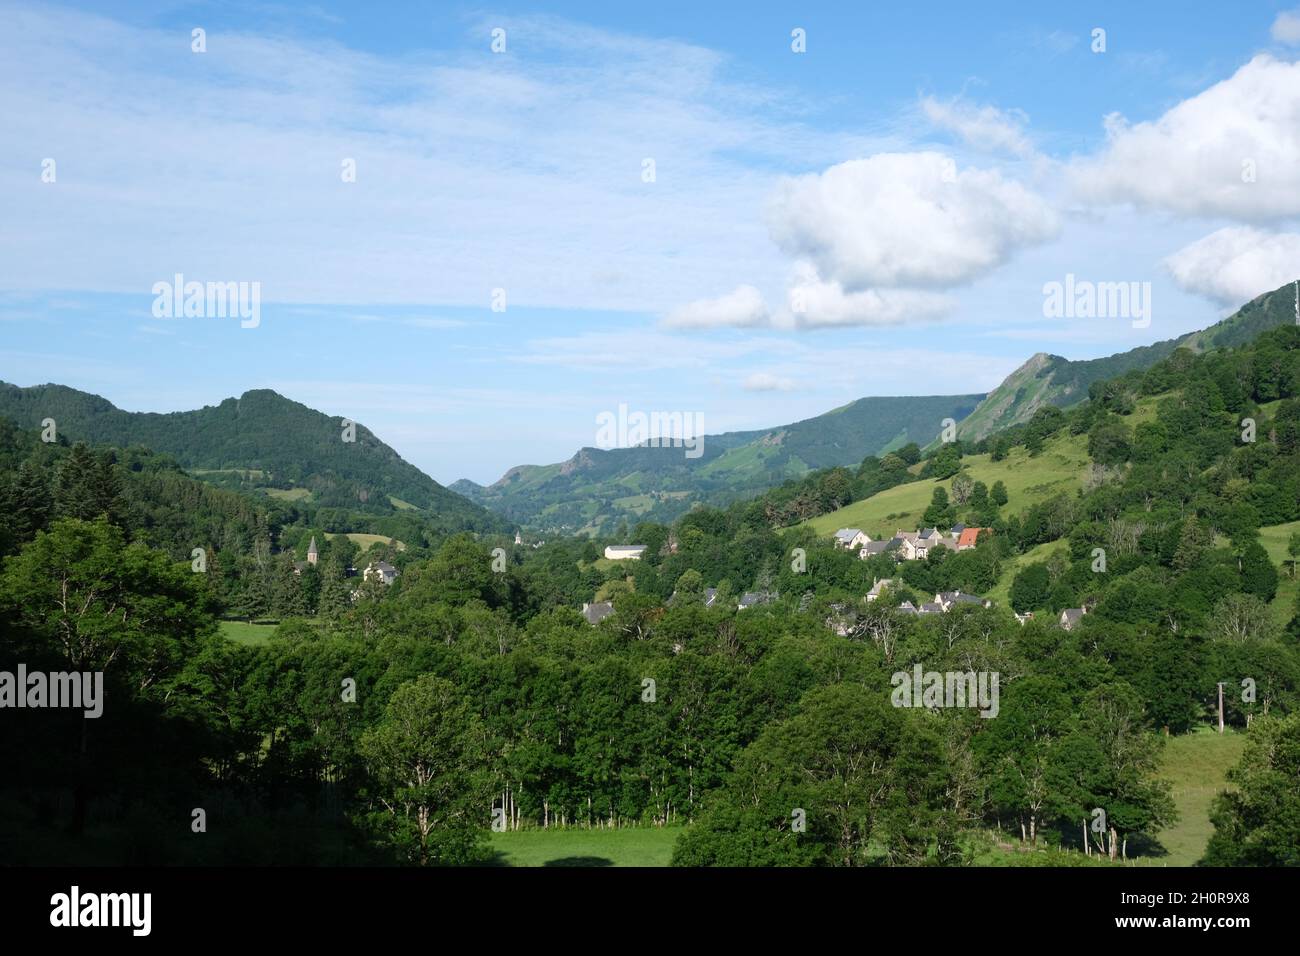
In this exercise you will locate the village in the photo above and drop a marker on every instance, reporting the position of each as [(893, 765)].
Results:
[(902, 546), (917, 546)]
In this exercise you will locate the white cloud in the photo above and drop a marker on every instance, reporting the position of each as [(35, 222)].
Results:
[(1197, 158), (1286, 28), (742, 308), (906, 219), (984, 127), (818, 304), (766, 382), (1235, 264)]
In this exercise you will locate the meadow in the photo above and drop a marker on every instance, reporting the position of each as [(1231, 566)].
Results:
[(1029, 480), (626, 846)]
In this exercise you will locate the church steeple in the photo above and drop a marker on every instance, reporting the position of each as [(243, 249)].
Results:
[(312, 553)]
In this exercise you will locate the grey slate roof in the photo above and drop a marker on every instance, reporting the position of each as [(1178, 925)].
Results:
[(1071, 616), (751, 598), (597, 612)]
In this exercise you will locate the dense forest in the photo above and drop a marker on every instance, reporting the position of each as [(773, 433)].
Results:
[(260, 440), (400, 723)]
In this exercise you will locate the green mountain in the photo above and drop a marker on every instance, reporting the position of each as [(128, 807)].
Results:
[(260, 440), (1052, 380), (596, 489)]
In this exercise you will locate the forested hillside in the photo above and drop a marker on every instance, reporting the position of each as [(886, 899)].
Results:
[(597, 489), (1052, 380), (260, 440), (774, 734)]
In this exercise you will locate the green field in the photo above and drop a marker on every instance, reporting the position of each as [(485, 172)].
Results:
[(241, 632), (1274, 539), (288, 494), (1059, 468), (364, 541), (1196, 765), (628, 846)]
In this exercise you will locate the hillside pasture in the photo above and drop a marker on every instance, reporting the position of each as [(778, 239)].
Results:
[(1058, 469)]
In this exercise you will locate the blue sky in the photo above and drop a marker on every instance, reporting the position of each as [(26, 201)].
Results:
[(877, 215)]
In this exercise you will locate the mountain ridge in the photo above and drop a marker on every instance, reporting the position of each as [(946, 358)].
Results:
[(1056, 380), (596, 487), (262, 436)]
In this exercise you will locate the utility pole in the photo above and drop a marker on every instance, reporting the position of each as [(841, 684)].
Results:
[(1220, 707)]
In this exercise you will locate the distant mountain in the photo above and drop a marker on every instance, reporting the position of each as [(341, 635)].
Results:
[(595, 489), (263, 438), (1052, 380)]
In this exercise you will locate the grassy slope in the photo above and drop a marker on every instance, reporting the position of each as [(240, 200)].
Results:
[(1001, 592), (630, 846), (1059, 468), (1274, 539), (241, 632), (365, 541), (1196, 765)]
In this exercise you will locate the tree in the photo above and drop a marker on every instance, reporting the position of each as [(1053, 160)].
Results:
[(847, 781), (79, 596), (425, 758), (946, 461), (1018, 749), (1258, 575), (1293, 549), (1130, 792), (29, 504), (690, 588), (909, 453), (998, 493), (75, 492), (1258, 824), (939, 514), (460, 572), (962, 489), (1239, 618), (1030, 587), (1109, 442)]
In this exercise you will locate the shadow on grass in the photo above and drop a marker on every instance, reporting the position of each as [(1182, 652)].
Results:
[(580, 861)]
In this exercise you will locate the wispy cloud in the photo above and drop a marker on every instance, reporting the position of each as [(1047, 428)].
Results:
[(522, 171)]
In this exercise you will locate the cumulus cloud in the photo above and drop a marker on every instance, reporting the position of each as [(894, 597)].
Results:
[(1236, 264), (1286, 28), (906, 219), (984, 127), (743, 308), (765, 382), (1232, 151), (815, 303)]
